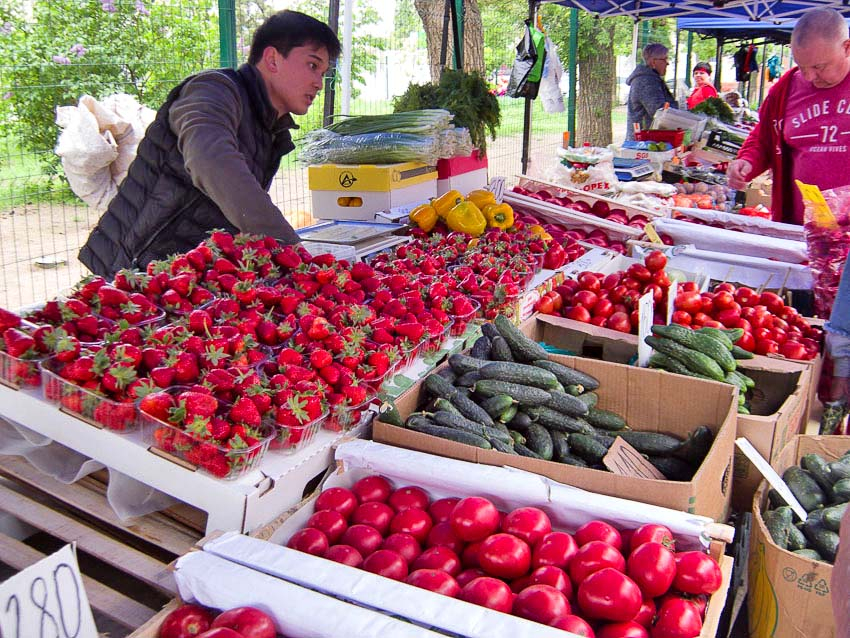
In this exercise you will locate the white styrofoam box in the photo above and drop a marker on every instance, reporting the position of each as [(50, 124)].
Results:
[(621, 262), (463, 182), (326, 203)]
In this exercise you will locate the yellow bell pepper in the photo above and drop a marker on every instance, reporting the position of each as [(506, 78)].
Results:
[(465, 217), (481, 198), (445, 202), (539, 231), (424, 216), (499, 215)]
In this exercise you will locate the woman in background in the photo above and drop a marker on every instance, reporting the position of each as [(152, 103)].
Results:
[(703, 88)]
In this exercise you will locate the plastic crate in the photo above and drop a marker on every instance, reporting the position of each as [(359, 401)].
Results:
[(19, 373), (676, 138), (289, 439), (89, 406)]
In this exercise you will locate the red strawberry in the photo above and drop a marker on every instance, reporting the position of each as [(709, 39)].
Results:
[(200, 321), (182, 284), (186, 368), (157, 404), (219, 380), (115, 416), (320, 359), (330, 374), (354, 393), (8, 320), (197, 404), (245, 411), (117, 378), (289, 356), (411, 331), (162, 376), (80, 370), (19, 344)]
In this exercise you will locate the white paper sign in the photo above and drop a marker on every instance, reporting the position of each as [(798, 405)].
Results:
[(497, 187), (672, 291), (47, 600), (646, 309), (772, 477)]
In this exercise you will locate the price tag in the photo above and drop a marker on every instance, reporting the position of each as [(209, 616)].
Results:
[(772, 477), (672, 291), (646, 309), (649, 229), (624, 460), (47, 600), (497, 187), (821, 214)]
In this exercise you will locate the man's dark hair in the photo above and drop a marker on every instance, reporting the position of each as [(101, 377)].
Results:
[(702, 66), (286, 30)]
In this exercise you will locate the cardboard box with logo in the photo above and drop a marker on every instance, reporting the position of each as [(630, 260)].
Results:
[(790, 596), (357, 192)]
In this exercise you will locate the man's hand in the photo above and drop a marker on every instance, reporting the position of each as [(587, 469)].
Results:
[(738, 173)]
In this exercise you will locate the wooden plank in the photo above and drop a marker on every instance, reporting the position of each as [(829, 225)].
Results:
[(107, 601), (151, 628), (111, 551), (88, 495)]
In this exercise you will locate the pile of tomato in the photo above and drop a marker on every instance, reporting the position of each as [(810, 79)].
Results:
[(599, 581), (194, 621)]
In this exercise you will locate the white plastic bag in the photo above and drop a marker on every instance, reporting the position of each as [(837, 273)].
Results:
[(98, 142), (550, 84)]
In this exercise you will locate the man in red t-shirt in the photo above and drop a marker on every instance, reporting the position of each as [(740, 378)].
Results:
[(804, 124)]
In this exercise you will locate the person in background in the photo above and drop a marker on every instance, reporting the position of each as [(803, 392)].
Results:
[(703, 88), (208, 159), (804, 124), (647, 90)]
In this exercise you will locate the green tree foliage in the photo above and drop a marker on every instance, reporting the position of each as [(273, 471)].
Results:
[(68, 48), (250, 15)]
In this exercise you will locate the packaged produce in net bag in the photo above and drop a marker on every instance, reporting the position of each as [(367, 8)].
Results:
[(827, 231)]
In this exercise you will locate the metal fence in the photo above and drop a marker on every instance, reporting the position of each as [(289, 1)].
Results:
[(52, 52)]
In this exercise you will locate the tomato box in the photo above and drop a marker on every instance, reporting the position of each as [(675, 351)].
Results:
[(790, 596), (507, 488), (649, 400)]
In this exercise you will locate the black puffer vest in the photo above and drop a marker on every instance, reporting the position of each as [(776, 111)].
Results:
[(158, 211)]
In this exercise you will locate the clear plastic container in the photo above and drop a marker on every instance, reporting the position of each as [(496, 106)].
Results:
[(343, 418), (434, 342), (19, 373), (290, 439), (87, 405), (459, 322)]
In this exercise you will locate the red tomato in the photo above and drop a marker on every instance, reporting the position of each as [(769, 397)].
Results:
[(337, 498), (248, 622), (697, 573), (585, 298), (557, 300), (434, 580), (773, 302), (577, 313), (556, 548), (575, 625), (541, 603), (746, 296), (309, 541), (589, 281), (407, 546), (766, 346), (729, 316), (724, 287), (545, 306), (681, 317), (655, 261), (653, 567), (619, 321), (344, 554), (410, 497), (441, 509), (186, 621), (528, 523), (631, 283), (647, 613), (656, 292), (443, 534), (363, 538), (504, 556), (375, 514), (468, 575), (598, 531), (634, 318), (220, 632), (474, 519), (386, 563), (793, 350), (603, 308), (330, 522), (469, 557), (652, 533), (412, 521), (372, 488), (438, 557), (639, 272), (747, 342), (707, 303), (628, 629), (618, 293), (592, 557), (554, 576), (611, 281), (661, 278), (518, 584), (688, 286), (609, 594), (555, 257), (723, 300), (489, 592), (677, 618)]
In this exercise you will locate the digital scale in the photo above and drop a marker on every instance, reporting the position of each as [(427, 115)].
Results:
[(364, 237), (632, 170)]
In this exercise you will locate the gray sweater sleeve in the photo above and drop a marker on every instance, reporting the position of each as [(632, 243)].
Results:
[(205, 119), (650, 93)]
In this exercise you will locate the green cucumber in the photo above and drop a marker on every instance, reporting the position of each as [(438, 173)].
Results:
[(391, 415), (774, 499), (560, 444), (462, 363), (524, 394), (519, 373), (804, 487), (489, 331), (748, 382), (451, 434), (587, 448), (661, 361), (447, 373), (567, 376), (693, 359), (718, 334), (522, 348), (696, 446), (497, 404), (439, 387), (539, 441), (500, 350), (444, 404), (838, 470), (566, 403), (796, 539), (574, 389), (481, 348), (841, 491), (739, 353), (832, 516), (605, 419), (502, 446), (520, 422), (808, 553), (705, 343), (555, 420), (571, 459), (590, 399), (467, 379), (777, 523), (815, 465), (471, 410), (651, 442), (524, 450), (452, 420), (672, 468), (517, 437), (508, 414), (824, 541)]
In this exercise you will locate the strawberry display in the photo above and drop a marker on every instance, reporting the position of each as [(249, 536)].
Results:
[(110, 301), (20, 352)]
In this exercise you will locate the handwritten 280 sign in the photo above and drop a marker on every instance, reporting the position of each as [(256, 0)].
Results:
[(47, 600)]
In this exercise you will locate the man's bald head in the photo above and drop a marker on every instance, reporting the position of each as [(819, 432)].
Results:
[(819, 24), (821, 47)]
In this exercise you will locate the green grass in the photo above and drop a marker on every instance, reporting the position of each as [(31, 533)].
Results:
[(25, 179)]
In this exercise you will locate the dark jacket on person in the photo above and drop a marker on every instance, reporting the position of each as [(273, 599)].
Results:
[(206, 162), (647, 93)]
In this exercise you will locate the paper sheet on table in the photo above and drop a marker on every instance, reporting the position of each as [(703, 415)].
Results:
[(732, 241), (297, 612), (753, 225), (744, 269)]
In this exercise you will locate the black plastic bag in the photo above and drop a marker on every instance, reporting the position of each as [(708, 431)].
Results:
[(526, 58)]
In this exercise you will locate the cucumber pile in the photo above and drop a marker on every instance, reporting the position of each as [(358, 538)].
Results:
[(505, 394), (823, 489), (706, 353)]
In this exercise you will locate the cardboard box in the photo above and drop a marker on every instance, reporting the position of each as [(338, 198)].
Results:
[(649, 400), (465, 173), (357, 192), (789, 596)]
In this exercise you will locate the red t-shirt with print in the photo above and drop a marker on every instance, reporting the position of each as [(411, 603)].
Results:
[(817, 130), (701, 93)]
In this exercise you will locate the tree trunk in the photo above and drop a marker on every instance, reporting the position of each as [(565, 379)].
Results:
[(597, 71), (431, 13)]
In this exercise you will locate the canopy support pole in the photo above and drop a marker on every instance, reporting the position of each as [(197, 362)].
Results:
[(676, 63), (329, 91), (526, 120), (688, 58), (573, 66), (719, 65)]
